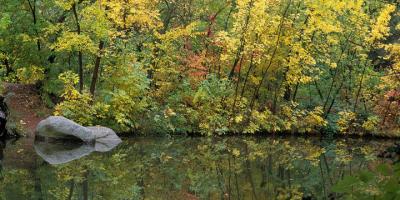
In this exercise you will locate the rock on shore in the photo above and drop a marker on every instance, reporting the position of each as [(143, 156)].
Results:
[(94, 138)]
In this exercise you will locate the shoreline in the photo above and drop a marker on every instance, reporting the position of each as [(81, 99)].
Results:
[(26, 109)]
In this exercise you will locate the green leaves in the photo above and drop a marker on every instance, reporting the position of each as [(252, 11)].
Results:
[(5, 21), (221, 66), (381, 183)]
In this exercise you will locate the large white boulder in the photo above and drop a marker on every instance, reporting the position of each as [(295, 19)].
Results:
[(61, 127), (94, 138)]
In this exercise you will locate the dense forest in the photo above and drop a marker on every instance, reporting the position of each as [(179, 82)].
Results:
[(210, 67)]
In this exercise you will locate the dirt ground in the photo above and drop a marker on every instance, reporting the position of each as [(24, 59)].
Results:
[(25, 107), (26, 110)]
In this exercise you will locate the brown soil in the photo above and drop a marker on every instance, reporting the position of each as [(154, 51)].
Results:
[(26, 107), (25, 110)]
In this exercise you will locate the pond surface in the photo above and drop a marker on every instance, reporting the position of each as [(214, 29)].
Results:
[(190, 168)]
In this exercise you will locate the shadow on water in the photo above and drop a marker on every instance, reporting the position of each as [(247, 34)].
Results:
[(192, 168), (59, 152)]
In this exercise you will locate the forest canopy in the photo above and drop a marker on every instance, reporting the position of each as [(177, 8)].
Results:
[(210, 67)]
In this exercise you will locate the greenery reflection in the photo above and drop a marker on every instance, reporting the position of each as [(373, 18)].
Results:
[(197, 168)]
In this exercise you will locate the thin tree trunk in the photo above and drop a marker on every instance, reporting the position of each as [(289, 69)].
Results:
[(7, 65), (263, 75), (333, 99), (96, 69), (296, 88), (359, 87), (318, 90), (32, 7), (80, 56), (80, 70), (336, 72), (242, 42), (237, 86)]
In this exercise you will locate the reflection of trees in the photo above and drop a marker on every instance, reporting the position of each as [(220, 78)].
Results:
[(190, 168)]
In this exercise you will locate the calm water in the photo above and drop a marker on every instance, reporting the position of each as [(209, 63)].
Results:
[(189, 168)]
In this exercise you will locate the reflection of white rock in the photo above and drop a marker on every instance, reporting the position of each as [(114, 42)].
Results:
[(96, 138), (58, 153)]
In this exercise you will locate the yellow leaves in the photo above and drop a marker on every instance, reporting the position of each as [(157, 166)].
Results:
[(371, 124), (326, 26), (30, 75), (52, 29), (262, 121), (301, 120), (284, 48), (300, 63), (323, 16), (287, 110), (101, 109), (292, 193), (342, 155), (333, 65), (71, 41), (394, 56), (65, 4), (205, 127), (179, 32), (345, 121), (380, 29), (169, 113), (69, 79), (390, 80), (94, 20), (333, 39), (314, 155), (315, 119), (305, 79), (238, 119), (255, 79), (129, 13), (77, 107), (236, 152), (164, 157), (3, 56), (25, 37)]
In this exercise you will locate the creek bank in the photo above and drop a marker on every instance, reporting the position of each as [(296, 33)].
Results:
[(25, 109)]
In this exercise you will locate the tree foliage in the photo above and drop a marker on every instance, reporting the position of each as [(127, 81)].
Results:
[(210, 67)]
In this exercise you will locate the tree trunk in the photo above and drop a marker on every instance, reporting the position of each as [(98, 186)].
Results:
[(32, 7), (8, 67), (96, 69), (80, 56)]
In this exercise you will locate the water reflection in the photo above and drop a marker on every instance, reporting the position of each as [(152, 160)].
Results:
[(59, 150), (62, 152), (197, 168)]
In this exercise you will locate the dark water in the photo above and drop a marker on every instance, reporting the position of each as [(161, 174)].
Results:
[(190, 168)]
